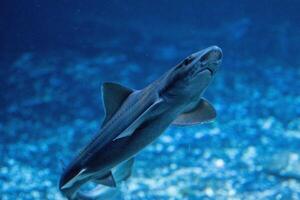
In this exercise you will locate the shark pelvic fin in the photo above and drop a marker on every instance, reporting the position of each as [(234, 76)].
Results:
[(108, 180), (113, 95), (123, 171), (203, 112), (118, 174)]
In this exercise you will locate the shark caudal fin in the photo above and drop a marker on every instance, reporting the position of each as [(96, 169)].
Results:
[(113, 95), (101, 192), (62, 165), (109, 185), (203, 112)]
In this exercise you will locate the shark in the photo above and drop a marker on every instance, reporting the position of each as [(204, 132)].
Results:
[(135, 118)]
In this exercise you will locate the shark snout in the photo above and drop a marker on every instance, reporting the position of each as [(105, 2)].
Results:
[(212, 54), (212, 58)]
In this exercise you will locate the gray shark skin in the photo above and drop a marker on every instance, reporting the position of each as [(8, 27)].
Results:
[(135, 118)]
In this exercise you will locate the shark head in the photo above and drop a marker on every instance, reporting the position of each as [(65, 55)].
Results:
[(207, 59), (192, 76)]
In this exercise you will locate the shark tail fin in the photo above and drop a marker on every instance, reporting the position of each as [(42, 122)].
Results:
[(101, 192), (62, 164)]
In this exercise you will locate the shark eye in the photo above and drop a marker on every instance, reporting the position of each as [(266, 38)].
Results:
[(188, 60), (185, 62)]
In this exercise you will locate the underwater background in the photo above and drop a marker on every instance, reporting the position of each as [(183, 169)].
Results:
[(54, 56)]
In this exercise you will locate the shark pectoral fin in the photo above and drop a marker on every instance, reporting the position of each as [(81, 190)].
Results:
[(148, 112), (123, 170), (113, 95), (128, 132), (108, 180), (203, 112)]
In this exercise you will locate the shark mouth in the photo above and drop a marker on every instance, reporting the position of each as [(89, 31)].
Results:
[(211, 71), (212, 66)]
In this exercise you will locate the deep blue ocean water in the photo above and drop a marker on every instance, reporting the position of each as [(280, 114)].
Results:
[(54, 56)]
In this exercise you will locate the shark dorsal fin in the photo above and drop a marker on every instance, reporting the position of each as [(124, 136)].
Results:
[(203, 112), (113, 95)]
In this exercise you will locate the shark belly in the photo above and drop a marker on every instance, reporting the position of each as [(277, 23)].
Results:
[(123, 149)]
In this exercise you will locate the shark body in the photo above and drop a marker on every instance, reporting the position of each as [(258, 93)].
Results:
[(135, 118)]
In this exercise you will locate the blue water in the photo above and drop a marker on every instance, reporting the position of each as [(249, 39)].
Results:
[(54, 55)]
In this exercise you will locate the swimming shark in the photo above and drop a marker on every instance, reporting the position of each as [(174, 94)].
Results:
[(135, 118)]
